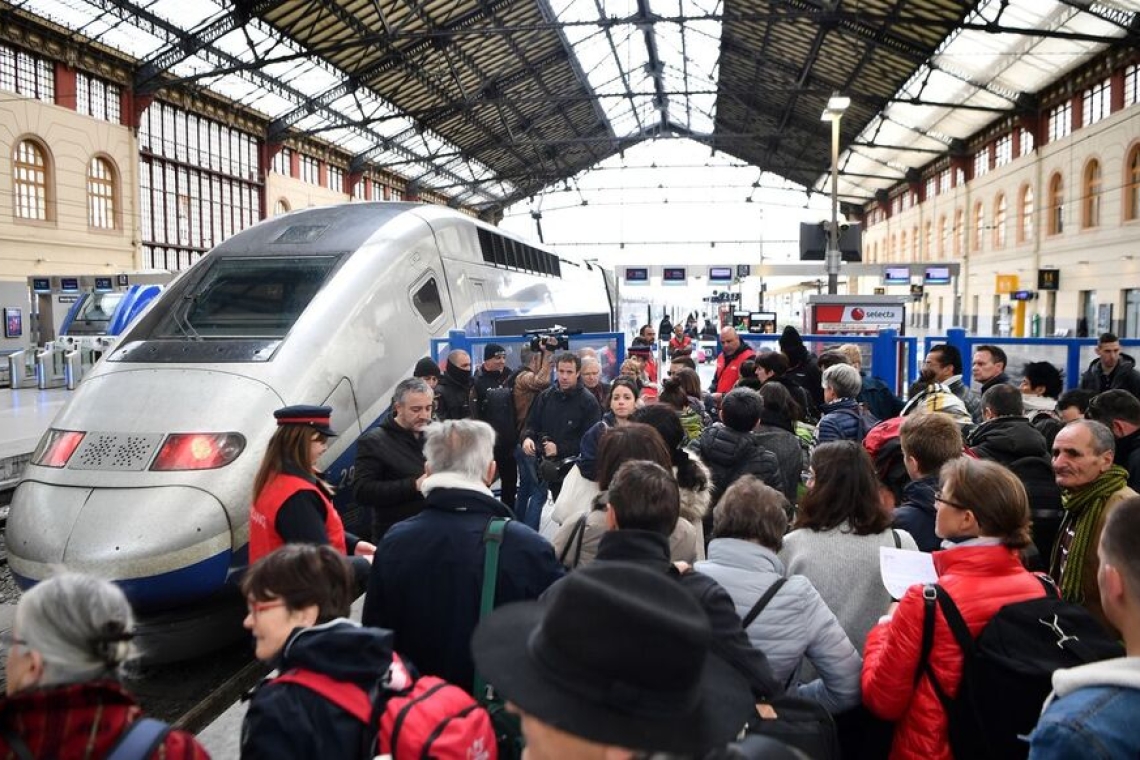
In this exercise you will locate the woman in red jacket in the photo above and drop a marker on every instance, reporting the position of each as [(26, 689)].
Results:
[(291, 503), (983, 517)]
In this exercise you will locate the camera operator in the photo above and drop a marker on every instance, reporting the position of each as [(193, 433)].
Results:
[(532, 378), (558, 419)]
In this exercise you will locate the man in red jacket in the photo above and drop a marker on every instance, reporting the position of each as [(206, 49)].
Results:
[(734, 353)]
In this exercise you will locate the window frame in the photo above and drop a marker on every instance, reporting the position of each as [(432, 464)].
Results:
[(109, 199), (40, 185), (1092, 191)]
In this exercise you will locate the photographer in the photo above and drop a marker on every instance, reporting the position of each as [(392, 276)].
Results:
[(554, 428), (531, 379)]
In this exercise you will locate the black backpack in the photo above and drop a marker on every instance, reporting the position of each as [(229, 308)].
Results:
[(1007, 671), (498, 411)]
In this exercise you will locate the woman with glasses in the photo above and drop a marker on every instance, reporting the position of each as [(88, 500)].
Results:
[(69, 640), (298, 600), (983, 519), (291, 502)]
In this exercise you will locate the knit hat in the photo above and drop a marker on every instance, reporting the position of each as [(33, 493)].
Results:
[(426, 367), (493, 350)]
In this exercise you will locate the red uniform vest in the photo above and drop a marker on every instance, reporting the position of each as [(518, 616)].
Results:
[(728, 374), (263, 536)]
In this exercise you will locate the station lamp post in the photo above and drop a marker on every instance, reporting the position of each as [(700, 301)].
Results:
[(836, 106)]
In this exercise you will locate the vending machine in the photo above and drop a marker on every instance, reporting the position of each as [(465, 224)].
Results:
[(854, 315)]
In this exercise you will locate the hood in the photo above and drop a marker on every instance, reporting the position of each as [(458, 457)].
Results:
[(920, 493), (695, 504), (341, 649), (451, 496), (721, 445), (746, 555), (1126, 361), (1122, 671), (1006, 439)]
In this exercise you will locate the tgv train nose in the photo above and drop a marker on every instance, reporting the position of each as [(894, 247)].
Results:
[(165, 546)]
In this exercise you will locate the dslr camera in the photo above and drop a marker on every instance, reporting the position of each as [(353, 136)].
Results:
[(556, 338)]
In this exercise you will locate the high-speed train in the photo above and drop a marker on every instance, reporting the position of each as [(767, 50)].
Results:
[(145, 476)]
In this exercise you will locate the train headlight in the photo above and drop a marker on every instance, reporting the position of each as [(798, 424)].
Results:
[(198, 451), (56, 448)]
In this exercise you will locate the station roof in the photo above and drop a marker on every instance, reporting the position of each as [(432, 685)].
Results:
[(490, 101)]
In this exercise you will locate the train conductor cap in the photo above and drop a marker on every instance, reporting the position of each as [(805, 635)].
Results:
[(316, 417)]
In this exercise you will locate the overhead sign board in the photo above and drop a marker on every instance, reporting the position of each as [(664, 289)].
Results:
[(1005, 284), (1048, 279)]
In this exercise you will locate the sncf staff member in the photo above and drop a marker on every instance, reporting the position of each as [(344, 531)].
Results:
[(291, 504), (735, 352)]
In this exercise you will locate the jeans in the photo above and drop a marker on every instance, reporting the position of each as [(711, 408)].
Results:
[(531, 496)]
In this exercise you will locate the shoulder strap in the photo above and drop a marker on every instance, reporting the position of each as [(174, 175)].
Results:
[(929, 596), (492, 542), (762, 602), (1051, 589), (139, 740), (578, 534), (957, 624), (345, 695), (898, 539), (16, 744)]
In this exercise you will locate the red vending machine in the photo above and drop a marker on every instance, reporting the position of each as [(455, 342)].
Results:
[(854, 315)]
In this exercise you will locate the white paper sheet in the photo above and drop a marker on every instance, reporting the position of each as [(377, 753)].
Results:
[(902, 568)]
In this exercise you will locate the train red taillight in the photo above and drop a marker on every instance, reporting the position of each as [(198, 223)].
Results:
[(198, 451), (56, 448)]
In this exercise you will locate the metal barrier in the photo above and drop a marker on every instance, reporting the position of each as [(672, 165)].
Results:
[(21, 369), (49, 367)]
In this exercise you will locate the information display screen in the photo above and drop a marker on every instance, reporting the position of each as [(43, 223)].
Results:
[(102, 284), (720, 274), (636, 274), (936, 276), (69, 284), (673, 274), (896, 276), (41, 285)]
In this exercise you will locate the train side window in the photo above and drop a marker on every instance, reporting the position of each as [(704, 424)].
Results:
[(427, 301)]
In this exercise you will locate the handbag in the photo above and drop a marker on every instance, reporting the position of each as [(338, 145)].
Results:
[(577, 495), (799, 723), (507, 725)]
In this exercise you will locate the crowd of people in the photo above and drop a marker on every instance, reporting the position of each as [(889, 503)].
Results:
[(675, 560)]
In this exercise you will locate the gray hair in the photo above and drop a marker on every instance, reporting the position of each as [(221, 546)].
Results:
[(1102, 438), (843, 379), (79, 624), (411, 385), (460, 447)]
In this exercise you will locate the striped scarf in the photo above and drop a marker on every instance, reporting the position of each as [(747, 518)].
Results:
[(1083, 507)]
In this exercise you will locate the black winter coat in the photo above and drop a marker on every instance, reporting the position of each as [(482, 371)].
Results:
[(389, 459), (1124, 377), (730, 454), (427, 577), (453, 398), (1128, 456), (565, 416), (1004, 439), (915, 514), (730, 642), (292, 721)]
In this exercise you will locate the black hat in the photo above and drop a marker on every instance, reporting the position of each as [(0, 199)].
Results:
[(579, 661), (491, 350), (316, 417), (426, 367)]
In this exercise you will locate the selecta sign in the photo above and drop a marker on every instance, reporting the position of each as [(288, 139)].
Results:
[(838, 318)]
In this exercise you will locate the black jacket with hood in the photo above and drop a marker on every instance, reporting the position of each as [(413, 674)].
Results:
[(389, 459), (1124, 376), (915, 514), (731, 454)]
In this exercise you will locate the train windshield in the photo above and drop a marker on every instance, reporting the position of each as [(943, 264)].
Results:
[(94, 317), (255, 297)]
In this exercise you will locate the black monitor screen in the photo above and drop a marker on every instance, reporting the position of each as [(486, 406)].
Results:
[(937, 276), (41, 284), (673, 274), (896, 276), (69, 284), (636, 274), (102, 283), (720, 273)]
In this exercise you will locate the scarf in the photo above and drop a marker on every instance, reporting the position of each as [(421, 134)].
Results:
[(1083, 508)]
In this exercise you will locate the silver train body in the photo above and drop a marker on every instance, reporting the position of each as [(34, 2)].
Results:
[(330, 305)]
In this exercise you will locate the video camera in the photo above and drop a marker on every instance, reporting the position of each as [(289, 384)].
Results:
[(556, 338)]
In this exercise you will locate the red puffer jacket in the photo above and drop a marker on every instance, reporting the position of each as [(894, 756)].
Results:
[(82, 722), (980, 580)]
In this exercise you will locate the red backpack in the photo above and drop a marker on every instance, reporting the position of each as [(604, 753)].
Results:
[(427, 718)]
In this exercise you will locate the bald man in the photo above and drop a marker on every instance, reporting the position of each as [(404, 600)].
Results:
[(455, 387), (734, 353)]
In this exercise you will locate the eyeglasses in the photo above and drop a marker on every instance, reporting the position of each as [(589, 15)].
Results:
[(956, 505), (256, 608), (8, 640)]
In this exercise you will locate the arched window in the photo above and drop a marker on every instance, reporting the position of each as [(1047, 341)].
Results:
[(999, 221), (1056, 209), (979, 223), (281, 207), (893, 249), (1025, 215), (101, 193), (1132, 185), (959, 232), (942, 235), (30, 179), (1090, 198), (915, 251)]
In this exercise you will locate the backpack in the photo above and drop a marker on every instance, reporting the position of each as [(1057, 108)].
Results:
[(425, 718), (863, 420), (498, 411), (1007, 671)]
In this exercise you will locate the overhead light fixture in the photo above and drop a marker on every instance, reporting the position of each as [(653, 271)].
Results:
[(837, 105)]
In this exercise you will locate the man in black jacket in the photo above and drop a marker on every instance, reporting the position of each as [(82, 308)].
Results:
[(455, 388), (1119, 411), (988, 367), (389, 468), (495, 376), (558, 419), (642, 510), (427, 574), (731, 451), (1111, 369)]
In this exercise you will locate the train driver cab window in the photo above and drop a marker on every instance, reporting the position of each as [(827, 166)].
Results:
[(94, 315), (427, 301), (254, 297)]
